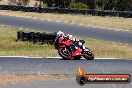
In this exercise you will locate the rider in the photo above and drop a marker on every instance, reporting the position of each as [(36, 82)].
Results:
[(68, 36)]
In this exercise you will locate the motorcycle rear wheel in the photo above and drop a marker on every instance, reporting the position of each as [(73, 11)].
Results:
[(64, 53)]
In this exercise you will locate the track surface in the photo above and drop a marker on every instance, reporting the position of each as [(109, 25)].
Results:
[(52, 66), (63, 84), (96, 33)]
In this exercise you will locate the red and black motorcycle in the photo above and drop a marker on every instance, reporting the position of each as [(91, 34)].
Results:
[(68, 49)]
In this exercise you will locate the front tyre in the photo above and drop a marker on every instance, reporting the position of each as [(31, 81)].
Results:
[(64, 53), (88, 54)]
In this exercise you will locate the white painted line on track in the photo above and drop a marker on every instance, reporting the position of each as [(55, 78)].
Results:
[(48, 20), (35, 18), (66, 22), (58, 21), (21, 56), (72, 23), (53, 57), (107, 58), (83, 58), (59, 57)]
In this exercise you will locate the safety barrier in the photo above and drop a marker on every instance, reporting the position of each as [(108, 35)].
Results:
[(126, 14), (36, 37)]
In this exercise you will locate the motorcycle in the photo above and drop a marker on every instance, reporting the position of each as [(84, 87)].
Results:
[(68, 49)]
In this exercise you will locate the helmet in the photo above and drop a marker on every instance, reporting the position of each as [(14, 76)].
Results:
[(65, 35), (60, 33)]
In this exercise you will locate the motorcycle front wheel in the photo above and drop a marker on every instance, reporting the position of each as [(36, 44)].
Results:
[(64, 53), (88, 55)]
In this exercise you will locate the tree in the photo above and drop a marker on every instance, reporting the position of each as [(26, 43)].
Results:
[(57, 3), (78, 5), (122, 5), (90, 3), (93, 4), (129, 5), (49, 2), (25, 2)]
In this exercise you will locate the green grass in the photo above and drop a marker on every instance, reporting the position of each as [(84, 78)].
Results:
[(9, 46)]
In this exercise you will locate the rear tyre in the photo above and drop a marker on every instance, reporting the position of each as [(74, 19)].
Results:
[(88, 55), (64, 53)]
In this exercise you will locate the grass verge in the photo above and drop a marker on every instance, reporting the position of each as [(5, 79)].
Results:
[(9, 46), (108, 22)]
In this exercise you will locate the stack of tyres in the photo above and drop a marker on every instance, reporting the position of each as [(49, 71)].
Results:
[(31, 36), (126, 14), (26, 36), (48, 38), (20, 35), (36, 37), (53, 37), (40, 38), (44, 34)]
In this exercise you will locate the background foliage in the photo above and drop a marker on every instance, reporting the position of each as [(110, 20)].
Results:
[(118, 5)]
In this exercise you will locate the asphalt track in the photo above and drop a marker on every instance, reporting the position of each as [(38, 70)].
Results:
[(22, 65), (74, 29), (71, 83), (56, 66)]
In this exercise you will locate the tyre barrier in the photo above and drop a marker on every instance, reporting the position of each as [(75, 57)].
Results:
[(125, 14), (36, 37)]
